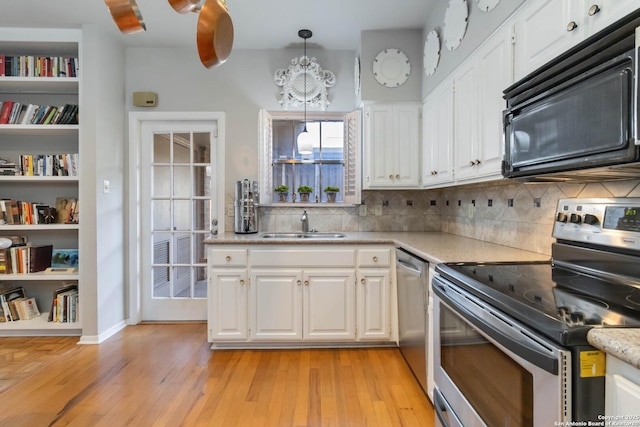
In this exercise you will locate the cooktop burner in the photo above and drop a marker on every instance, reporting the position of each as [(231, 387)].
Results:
[(557, 302)]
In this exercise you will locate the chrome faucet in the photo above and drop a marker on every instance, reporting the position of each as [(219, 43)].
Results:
[(305, 221)]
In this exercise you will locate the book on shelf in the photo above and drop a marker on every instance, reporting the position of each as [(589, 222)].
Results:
[(14, 112), (38, 66), (25, 259), (7, 296), (64, 305), (15, 212), (15, 305), (65, 164)]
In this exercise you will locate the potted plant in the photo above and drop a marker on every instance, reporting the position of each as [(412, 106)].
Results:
[(331, 192), (283, 192), (304, 191)]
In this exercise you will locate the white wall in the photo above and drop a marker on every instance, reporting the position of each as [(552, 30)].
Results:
[(240, 87), (480, 26), (102, 155)]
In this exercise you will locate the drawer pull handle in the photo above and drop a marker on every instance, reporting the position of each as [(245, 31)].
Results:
[(242, 282), (391, 177), (228, 258), (398, 176), (363, 281), (375, 259)]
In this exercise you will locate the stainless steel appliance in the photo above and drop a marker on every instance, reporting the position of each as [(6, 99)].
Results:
[(412, 274), (246, 207), (577, 117), (511, 342)]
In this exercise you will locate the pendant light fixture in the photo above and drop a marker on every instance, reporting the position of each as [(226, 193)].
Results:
[(305, 141)]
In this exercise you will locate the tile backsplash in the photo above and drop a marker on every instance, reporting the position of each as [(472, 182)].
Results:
[(503, 212)]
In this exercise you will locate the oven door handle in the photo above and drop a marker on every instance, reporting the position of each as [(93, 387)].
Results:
[(518, 344), (443, 411)]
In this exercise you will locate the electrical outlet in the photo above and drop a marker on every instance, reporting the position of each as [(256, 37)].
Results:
[(378, 210), (229, 210), (363, 210)]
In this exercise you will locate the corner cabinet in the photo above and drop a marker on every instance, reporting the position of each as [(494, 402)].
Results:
[(299, 295), (33, 140), (391, 154)]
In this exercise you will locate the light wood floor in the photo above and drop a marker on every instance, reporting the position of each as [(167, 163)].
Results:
[(166, 375)]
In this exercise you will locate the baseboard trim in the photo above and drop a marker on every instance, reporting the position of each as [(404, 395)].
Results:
[(100, 338)]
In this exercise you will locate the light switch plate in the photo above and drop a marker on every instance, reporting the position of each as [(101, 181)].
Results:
[(378, 210), (363, 210)]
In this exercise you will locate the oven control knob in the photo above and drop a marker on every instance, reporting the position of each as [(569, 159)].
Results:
[(575, 219), (562, 217), (590, 219)]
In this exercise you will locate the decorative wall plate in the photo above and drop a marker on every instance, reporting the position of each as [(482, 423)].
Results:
[(356, 75), (391, 68), (296, 90), (487, 5), (431, 53), (455, 23)]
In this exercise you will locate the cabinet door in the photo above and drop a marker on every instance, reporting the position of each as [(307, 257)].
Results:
[(495, 74), (379, 146), (406, 167), (228, 305), (329, 305), (275, 305), (373, 305), (542, 33), (392, 146), (606, 13), (465, 118), (622, 395), (437, 135)]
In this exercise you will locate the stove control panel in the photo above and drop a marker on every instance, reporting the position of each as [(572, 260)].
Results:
[(610, 222)]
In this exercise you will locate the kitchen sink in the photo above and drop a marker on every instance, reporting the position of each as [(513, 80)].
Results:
[(310, 235)]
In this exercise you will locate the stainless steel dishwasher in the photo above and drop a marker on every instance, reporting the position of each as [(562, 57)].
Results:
[(412, 275)]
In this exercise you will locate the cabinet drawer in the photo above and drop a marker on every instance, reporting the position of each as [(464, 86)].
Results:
[(303, 257), (228, 257), (374, 257)]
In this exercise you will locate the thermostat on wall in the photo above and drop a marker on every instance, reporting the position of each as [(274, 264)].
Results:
[(145, 99)]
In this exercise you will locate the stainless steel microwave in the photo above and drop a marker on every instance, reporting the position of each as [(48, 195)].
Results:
[(577, 116)]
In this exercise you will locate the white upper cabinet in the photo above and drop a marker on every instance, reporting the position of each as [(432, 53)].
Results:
[(392, 145), (546, 28), (437, 131), (543, 31), (478, 104)]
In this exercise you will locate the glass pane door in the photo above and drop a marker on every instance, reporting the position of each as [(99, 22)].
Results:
[(178, 219)]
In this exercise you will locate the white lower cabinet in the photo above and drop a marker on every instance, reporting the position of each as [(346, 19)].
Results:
[(315, 305), (622, 393), (374, 309), (290, 294)]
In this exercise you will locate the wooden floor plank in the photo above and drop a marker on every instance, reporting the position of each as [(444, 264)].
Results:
[(166, 375)]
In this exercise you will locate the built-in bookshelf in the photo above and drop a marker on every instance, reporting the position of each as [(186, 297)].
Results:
[(46, 143)]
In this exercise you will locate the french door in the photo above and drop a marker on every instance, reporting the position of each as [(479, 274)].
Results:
[(176, 188)]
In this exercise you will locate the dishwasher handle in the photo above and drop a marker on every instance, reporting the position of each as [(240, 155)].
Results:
[(408, 266)]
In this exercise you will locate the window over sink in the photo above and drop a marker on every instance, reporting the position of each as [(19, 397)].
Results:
[(333, 159)]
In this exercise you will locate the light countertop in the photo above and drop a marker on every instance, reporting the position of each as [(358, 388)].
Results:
[(434, 247), (623, 343)]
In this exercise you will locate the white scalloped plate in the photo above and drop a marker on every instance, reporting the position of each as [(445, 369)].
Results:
[(487, 5), (391, 68), (455, 23), (431, 53)]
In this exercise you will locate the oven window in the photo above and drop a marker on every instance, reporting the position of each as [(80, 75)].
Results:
[(500, 390)]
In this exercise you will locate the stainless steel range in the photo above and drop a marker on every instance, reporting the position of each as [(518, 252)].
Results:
[(511, 337)]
